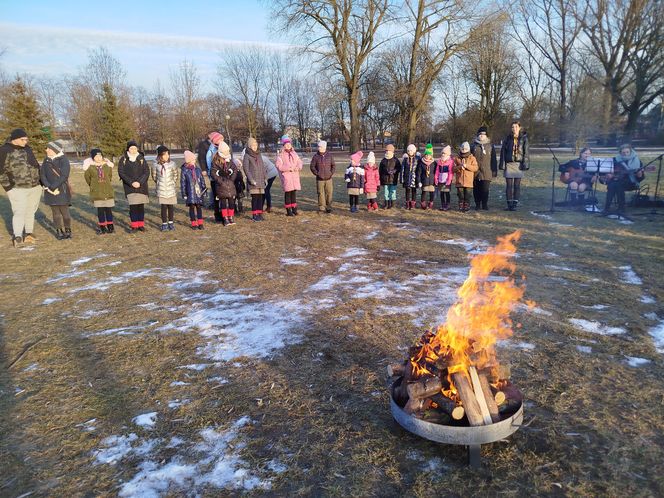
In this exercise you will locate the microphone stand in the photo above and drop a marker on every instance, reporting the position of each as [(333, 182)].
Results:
[(552, 209), (653, 211)]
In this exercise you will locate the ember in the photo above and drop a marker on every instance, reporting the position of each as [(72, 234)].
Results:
[(452, 376)]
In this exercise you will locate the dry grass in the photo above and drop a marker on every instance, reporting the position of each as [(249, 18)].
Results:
[(596, 424)]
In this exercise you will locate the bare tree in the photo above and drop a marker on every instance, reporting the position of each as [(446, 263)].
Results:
[(303, 103), (548, 31), (282, 79), (51, 94), (104, 69), (187, 104), (343, 32), (242, 76), (488, 65), (162, 124)]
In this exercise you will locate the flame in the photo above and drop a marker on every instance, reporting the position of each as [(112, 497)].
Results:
[(479, 317)]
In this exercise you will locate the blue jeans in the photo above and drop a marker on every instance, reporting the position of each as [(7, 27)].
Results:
[(390, 192)]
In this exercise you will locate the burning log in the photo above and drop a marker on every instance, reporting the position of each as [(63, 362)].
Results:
[(468, 399), (513, 398), (417, 405), (424, 388), (396, 370), (484, 396), (448, 406), (500, 397)]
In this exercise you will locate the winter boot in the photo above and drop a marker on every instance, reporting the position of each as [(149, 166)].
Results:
[(515, 204), (67, 233), (430, 205), (110, 228), (369, 206), (101, 230), (171, 226), (60, 234), (289, 211), (423, 205), (294, 211), (164, 227), (224, 221)]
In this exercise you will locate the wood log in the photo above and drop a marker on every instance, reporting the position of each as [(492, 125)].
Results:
[(513, 400), (500, 372), (500, 397), (447, 405), (417, 405), (400, 393), (489, 397), (468, 399), (424, 387), (479, 395), (396, 369)]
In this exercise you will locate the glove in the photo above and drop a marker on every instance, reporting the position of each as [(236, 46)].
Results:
[(347, 180), (419, 185), (230, 171), (361, 191)]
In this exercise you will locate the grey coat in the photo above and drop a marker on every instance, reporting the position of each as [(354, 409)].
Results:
[(166, 176), (255, 170)]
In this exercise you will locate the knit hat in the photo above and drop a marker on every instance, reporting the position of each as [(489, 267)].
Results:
[(482, 129), (322, 144), (161, 149), (465, 147), (224, 150), (389, 147), (94, 152), (215, 137), (56, 146), (17, 133), (411, 149), (428, 150), (357, 157), (131, 143), (189, 157), (371, 158), (285, 139), (447, 151)]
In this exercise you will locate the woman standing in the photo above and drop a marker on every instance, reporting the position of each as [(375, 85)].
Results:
[(256, 172), (98, 176), (134, 172), (166, 176), (485, 155), (465, 166), (514, 160), (289, 165), (54, 175)]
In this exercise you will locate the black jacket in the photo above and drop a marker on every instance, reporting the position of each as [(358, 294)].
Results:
[(224, 175), (389, 170), (54, 175), (134, 171), (522, 155)]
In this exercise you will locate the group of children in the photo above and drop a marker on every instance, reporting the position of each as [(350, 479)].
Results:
[(415, 171)]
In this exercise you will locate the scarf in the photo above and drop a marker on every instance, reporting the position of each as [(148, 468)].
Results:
[(631, 162), (428, 161), (132, 158), (100, 172), (389, 155), (192, 168), (482, 143), (252, 153)]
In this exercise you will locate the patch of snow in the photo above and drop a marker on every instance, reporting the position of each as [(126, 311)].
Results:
[(550, 255), (87, 314), (651, 316), (175, 442), (372, 235), (657, 334), (115, 280), (176, 403), (87, 259), (179, 383), (468, 245), (31, 368), (556, 224), (433, 465), (560, 268), (117, 447), (524, 308), (27, 248), (629, 276), (146, 419), (633, 361), (129, 330), (276, 466), (596, 327), (218, 380), (584, 349), (353, 252), (541, 215), (293, 261), (647, 299), (67, 275), (596, 307), (51, 300), (88, 425), (196, 366)]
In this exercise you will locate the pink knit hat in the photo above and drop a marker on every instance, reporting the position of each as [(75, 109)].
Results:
[(215, 137), (355, 158), (286, 140), (189, 157)]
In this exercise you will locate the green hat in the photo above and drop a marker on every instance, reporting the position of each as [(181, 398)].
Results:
[(428, 150)]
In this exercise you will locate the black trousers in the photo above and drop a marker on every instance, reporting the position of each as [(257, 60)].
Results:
[(513, 189), (481, 193), (411, 194), (257, 203), (268, 194), (167, 213), (444, 197), (105, 215), (195, 212), (353, 200), (290, 198), (61, 218), (137, 212)]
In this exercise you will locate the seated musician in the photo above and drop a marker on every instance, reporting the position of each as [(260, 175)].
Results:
[(627, 174), (573, 174)]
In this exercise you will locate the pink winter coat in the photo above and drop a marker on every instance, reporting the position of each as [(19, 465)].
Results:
[(289, 165), (439, 174), (371, 178)]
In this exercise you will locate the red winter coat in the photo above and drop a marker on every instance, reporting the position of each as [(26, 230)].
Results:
[(371, 178), (289, 165)]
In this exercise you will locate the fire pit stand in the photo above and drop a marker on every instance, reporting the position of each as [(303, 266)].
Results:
[(471, 437)]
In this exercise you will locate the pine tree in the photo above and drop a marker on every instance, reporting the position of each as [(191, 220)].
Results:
[(21, 110), (116, 126)]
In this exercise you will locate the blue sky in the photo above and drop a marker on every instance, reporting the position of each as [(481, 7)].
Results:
[(44, 38)]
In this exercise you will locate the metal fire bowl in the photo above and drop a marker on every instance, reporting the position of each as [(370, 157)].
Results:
[(447, 434)]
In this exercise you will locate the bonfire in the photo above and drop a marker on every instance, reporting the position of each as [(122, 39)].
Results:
[(452, 375)]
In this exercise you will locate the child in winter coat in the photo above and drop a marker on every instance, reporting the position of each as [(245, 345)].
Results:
[(166, 175), (443, 177), (409, 175), (98, 175), (192, 189), (354, 180), (426, 177), (134, 171), (256, 170), (465, 166), (224, 173), (389, 170), (289, 165), (54, 176), (371, 182)]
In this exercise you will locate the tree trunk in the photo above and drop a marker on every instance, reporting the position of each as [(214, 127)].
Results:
[(412, 127), (354, 108)]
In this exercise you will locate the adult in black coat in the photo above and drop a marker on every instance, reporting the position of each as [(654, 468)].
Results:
[(134, 171), (54, 176)]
